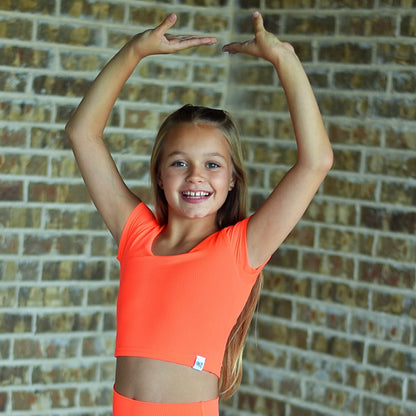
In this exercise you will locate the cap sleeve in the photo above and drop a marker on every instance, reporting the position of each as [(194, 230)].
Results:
[(237, 236)]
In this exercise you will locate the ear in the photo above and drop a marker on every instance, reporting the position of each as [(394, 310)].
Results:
[(232, 183), (160, 183)]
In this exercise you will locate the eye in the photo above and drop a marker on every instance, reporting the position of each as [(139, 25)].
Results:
[(212, 165), (178, 163)]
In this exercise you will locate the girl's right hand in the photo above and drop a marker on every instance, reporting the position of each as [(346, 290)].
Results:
[(157, 41)]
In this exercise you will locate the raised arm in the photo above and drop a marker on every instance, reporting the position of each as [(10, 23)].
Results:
[(108, 191), (274, 220)]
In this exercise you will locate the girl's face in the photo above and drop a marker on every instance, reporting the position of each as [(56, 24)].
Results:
[(196, 171)]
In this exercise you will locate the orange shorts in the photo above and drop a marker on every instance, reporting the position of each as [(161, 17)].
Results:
[(123, 406)]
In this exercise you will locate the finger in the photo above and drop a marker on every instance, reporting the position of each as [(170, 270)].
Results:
[(166, 24), (258, 22), (188, 41), (237, 47)]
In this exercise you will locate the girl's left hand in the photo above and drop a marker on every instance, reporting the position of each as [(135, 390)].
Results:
[(264, 45)]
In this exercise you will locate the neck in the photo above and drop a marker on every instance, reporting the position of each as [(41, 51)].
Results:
[(179, 237)]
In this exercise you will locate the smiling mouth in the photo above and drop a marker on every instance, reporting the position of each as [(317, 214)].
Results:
[(196, 194)]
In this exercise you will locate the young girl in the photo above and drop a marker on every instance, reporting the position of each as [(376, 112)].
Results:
[(189, 277)]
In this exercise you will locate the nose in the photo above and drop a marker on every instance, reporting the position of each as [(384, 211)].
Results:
[(195, 174)]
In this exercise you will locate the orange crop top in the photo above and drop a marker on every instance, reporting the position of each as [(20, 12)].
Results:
[(180, 308)]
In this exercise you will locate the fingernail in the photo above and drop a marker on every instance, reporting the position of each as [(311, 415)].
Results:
[(256, 14)]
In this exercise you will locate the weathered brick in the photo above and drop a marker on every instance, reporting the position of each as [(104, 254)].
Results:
[(288, 4), (94, 10), (331, 213), (182, 95), (25, 111), (15, 323), (205, 22), (402, 108), (398, 53), (22, 57), (208, 73), (46, 192), (408, 26), (268, 407), (398, 193), (389, 357), (12, 82), (346, 241), (386, 274), (244, 23), (54, 347), (355, 134), (153, 16), (387, 220), (19, 164), (343, 293), (333, 265), (373, 407), (314, 366), (52, 374), (337, 105), (57, 399), (102, 296), (388, 302), (333, 397), (103, 246), (12, 137), (65, 34), (70, 87), (361, 80), (348, 160), (81, 61), (404, 81), (338, 347), (253, 75), (275, 307), (9, 243), (48, 244), (44, 6), (19, 270), (400, 249), (256, 353), (101, 345), (311, 25), (45, 138), (67, 322), (16, 29), (372, 25), (14, 376), (377, 327), (51, 296), (359, 53), (20, 217), (356, 188), (349, 4), (96, 397)]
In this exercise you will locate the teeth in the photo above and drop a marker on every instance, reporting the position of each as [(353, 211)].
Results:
[(197, 194)]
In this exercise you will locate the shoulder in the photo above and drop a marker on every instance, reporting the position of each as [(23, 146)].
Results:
[(140, 221)]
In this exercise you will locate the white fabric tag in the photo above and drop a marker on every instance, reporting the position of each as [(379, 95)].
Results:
[(199, 363)]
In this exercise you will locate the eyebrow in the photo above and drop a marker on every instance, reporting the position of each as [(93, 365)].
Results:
[(180, 153)]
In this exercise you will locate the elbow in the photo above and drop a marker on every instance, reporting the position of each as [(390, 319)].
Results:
[(328, 160), (69, 131)]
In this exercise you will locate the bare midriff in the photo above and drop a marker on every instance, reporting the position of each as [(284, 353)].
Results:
[(150, 380)]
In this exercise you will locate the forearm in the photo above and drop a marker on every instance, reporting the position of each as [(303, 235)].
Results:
[(314, 148), (91, 116)]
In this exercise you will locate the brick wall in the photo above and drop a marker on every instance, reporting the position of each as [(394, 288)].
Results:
[(336, 329)]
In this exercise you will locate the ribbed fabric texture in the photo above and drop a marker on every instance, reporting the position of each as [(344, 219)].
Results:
[(123, 406)]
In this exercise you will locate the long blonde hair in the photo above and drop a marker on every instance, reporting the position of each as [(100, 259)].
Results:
[(233, 210)]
